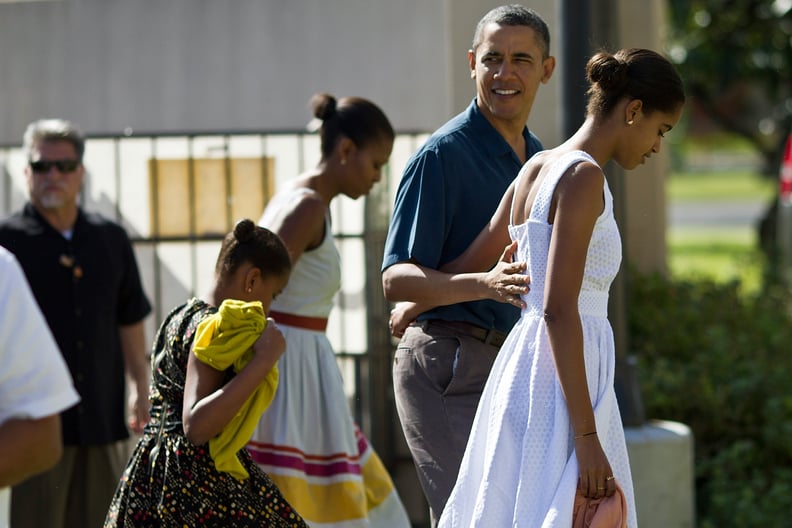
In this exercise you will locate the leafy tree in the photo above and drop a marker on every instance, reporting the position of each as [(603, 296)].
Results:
[(736, 59)]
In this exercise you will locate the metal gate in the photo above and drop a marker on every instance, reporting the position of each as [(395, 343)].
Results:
[(177, 195)]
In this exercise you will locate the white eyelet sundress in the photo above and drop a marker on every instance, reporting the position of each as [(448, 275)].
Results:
[(519, 468)]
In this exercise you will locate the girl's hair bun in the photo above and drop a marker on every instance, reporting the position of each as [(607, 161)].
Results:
[(323, 105), (244, 230), (608, 72)]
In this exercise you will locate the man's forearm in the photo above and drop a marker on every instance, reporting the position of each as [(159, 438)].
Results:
[(134, 350), (412, 282)]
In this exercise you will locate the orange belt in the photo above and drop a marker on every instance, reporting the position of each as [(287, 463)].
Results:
[(318, 324)]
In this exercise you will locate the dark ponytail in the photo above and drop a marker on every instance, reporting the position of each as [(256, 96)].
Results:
[(356, 118)]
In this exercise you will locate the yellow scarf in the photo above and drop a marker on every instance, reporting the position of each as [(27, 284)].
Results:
[(223, 340)]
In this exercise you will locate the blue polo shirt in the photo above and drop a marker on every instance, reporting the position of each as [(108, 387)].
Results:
[(449, 191)]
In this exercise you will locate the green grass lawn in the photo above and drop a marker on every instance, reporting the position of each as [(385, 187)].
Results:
[(723, 255), (716, 254), (721, 185)]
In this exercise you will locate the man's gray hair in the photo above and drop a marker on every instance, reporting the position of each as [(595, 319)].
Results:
[(54, 130)]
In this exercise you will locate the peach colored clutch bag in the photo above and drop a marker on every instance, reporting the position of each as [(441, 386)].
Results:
[(607, 512)]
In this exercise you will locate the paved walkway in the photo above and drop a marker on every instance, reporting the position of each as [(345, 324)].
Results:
[(718, 214)]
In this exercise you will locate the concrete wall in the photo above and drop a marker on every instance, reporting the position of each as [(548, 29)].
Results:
[(205, 65), (198, 65)]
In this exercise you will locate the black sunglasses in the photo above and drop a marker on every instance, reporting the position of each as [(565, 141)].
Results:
[(63, 166)]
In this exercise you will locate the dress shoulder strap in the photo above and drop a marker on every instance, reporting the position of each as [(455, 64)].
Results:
[(514, 191), (541, 206)]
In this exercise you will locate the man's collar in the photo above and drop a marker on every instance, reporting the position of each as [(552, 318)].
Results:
[(497, 145)]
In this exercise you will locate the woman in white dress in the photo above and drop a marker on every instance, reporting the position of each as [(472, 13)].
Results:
[(548, 422), (307, 441)]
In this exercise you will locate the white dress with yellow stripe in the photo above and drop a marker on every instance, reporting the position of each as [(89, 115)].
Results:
[(307, 441)]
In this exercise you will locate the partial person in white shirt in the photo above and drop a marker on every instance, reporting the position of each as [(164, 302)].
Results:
[(35, 385)]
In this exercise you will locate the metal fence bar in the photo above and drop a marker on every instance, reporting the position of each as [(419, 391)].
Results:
[(364, 356)]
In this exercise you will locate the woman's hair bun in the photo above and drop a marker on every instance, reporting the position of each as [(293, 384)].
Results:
[(244, 230), (607, 71), (323, 105)]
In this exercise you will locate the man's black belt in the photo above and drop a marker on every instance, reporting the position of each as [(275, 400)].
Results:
[(488, 336)]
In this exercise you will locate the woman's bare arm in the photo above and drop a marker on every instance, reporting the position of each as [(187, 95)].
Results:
[(579, 203)]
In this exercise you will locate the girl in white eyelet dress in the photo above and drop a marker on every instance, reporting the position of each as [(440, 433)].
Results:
[(548, 424), (519, 467)]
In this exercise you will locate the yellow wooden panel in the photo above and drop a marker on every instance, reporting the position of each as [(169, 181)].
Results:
[(251, 187), (222, 192), (211, 197), (169, 197)]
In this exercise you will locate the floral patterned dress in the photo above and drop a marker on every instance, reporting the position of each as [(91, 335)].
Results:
[(171, 482)]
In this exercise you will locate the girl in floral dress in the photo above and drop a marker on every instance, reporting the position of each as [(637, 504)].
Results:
[(171, 478)]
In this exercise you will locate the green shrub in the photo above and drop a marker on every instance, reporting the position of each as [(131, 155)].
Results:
[(720, 361)]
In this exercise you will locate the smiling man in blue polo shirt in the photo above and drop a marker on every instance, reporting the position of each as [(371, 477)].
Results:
[(449, 191)]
